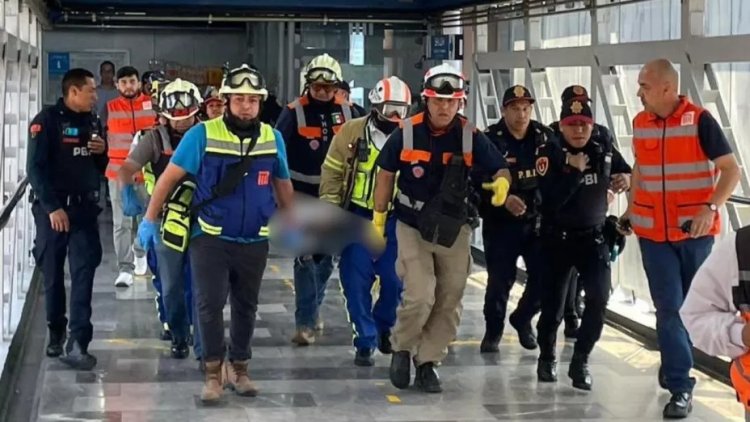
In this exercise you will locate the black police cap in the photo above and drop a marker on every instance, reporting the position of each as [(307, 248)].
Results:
[(576, 111), (575, 92), (516, 93)]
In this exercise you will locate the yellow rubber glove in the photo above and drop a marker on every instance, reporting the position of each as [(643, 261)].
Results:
[(378, 234), (499, 188)]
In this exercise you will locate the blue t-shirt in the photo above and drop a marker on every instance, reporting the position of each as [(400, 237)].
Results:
[(189, 157)]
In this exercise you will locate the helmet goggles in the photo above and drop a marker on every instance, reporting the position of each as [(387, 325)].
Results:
[(445, 84), (179, 104), (244, 75), (394, 110), (321, 75)]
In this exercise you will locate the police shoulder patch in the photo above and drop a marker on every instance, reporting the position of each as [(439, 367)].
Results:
[(542, 165)]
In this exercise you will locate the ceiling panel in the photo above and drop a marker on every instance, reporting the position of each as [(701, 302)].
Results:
[(270, 5)]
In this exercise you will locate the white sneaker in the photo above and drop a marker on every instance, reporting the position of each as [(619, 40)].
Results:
[(141, 265), (124, 280)]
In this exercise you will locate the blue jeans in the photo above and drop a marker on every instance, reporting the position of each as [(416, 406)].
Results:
[(156, 281), (357, 270), (670, 267), (176, 282), (311, 274)]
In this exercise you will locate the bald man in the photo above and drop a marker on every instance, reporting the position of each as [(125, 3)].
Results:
[(684, 172)]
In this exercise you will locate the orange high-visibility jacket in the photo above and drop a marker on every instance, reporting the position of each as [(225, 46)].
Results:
[(125, 118), (677, 179)]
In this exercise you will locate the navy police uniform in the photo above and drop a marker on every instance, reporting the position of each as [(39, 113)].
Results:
[(506, 237), (601, 134), (65, 175), (574, 209)]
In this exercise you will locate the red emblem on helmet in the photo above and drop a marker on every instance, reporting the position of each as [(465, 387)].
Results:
[(417, 171)]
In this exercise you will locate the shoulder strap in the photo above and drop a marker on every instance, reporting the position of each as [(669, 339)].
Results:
[(741, 293), (165, 144), (233, 176)]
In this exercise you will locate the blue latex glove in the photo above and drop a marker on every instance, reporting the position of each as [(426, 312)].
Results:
[(148, 234), (131, 204)]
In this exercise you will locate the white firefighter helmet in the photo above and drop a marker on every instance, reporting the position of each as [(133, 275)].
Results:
[(391, 97), (179, 100)]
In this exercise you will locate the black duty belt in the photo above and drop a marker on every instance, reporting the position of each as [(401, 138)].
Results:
[(79, 198), (571, 233)]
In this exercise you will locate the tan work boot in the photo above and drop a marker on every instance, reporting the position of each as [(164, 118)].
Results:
[(304, 337), (238, 380), (212, 389)]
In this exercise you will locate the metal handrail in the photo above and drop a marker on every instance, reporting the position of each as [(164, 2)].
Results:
[(11, 205), (743, 200)]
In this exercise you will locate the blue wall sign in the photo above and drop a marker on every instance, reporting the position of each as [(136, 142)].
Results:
[(440, 47), (59, 63)]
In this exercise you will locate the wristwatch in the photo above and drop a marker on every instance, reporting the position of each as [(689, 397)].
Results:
[(712, 206)]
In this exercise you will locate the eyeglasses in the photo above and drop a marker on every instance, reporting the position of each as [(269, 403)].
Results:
[(445, 84), (321, 74), (323, 87), (238, 77)]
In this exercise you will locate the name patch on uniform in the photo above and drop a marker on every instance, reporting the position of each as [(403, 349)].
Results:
[(70, 131), (688, 119), (147, 105), (511, 160), (314, 145), (263, 178), (417, 171), (542, 165), (337, 118)]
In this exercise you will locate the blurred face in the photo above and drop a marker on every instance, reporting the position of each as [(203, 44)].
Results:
[(181, 126), (128, 86), (245, 106), (214, 109), (342, 94), (322, 92), (517, 115), (107, 74), (577, 134), (652, 90), (82, 99), (442, 110)]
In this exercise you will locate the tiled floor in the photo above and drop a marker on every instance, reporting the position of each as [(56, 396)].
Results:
[(137, 381)]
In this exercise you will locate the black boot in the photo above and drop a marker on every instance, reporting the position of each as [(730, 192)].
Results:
[(400, 371), (490, 343), (578, 371), (166, 335), (546, 370), (427, 378), (384, 343), (571, 327), (679, 406), (526, 335), (77, 357), (56, 342), (180, 349), (363, 357)]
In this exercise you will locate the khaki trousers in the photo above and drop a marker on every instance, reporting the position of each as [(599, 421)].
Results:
[(434, 280)]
